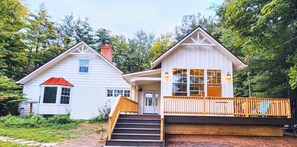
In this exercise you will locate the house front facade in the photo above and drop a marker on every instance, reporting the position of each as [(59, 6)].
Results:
[(197, 65), (189, 90), (79, 82)]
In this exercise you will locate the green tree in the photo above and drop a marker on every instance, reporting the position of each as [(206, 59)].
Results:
[(190, 22), (265, 28), (163, 43), (10, 96), (120, 51), (78, 30), (42, 40), (13, 16), (139, 48)]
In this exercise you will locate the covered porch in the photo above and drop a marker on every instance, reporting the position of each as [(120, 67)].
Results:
[(145, 90)]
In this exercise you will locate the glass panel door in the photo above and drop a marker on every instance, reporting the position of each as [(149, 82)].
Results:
[(151, 102)]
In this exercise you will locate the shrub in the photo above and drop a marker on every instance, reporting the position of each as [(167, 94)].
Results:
[(60, 119), (104, 112), (26, 122), (10, 96), (57, 121), (97, 119)]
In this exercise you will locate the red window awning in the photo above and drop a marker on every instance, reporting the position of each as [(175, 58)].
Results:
[(57, 81)]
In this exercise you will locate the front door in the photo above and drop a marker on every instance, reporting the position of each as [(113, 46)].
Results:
[(151, 102)]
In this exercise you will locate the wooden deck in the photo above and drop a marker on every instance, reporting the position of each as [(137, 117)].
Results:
[(198, 115), (223, 106)]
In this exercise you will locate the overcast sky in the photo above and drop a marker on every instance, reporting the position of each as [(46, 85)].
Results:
[(124, 17)]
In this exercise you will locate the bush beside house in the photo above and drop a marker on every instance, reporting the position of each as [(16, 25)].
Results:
[(10, 96)]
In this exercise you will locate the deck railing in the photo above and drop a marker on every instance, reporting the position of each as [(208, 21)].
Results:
[(222, 106), (122, 104)]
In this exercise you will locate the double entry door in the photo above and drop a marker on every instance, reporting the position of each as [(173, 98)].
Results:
[(151, 102)]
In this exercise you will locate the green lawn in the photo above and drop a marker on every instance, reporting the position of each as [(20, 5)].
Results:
[(10, 144), (44, 134)]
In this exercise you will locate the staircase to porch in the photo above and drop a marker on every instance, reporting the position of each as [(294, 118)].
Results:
[(136, 130)]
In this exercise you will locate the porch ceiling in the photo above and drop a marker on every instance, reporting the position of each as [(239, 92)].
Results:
[(144, 77), (145, 80)]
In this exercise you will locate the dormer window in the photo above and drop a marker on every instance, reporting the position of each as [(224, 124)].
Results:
[(83, 65)]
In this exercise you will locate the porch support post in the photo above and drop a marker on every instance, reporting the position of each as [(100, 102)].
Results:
[(131, 88)]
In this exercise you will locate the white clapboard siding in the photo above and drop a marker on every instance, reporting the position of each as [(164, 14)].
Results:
[(197, 57), (89, 92)]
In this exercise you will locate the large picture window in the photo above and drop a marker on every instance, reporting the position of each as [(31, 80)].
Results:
[(65, 96), (83, 65), (196, 82), (50, 94), (179, 84)]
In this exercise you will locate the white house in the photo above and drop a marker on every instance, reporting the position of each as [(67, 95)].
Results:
[(189, 90), (79, 82), (197, 65)]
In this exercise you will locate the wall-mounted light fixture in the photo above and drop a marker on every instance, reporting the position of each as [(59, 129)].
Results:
[(166, 75), (228, 76)]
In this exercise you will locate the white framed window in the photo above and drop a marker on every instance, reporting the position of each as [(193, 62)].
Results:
[(50, 95), (65, 95), (127, 93), (115, 92), (179, 83), (109, 93), (195, 82), (84, 66), (56, 95)]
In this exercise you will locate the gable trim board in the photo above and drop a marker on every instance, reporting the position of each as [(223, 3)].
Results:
[(59, 58), (238, 64)]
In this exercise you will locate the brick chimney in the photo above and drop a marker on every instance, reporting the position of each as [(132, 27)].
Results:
[(106, 51)]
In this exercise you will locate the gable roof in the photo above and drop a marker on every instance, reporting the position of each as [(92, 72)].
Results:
[(57, 81), (59, 58), (238, 63)]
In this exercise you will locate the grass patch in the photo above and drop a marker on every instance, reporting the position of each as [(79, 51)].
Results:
[(10, 144), (36, 128), (43, 134)]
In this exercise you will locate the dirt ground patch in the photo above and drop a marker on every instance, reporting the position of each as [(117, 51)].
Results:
[(229, 141), (95, 137)]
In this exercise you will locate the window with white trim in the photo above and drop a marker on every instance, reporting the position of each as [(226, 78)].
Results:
[(109, 93), (56, 95), (117, 92), (179, 83), (65, 95), (50, 95), (83, 65)]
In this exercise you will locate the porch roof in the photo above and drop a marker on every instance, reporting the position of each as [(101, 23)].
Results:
[(143, 77)]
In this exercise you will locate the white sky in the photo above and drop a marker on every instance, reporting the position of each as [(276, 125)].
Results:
[(125, 17)]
